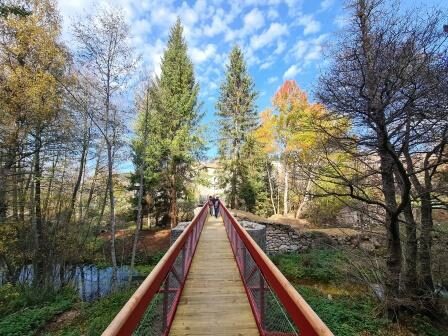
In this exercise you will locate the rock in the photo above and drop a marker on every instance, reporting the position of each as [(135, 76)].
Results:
[(376, 243), (367, 246)]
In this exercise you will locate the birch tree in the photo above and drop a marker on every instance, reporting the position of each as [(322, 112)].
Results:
[(104, 52)]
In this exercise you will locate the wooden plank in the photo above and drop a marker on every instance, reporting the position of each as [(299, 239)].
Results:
[(214, 301)]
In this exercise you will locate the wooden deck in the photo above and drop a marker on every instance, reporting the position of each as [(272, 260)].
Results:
[(214, 301)]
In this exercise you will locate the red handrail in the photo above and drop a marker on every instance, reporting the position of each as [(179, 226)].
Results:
[(126, 321), (303, 316)]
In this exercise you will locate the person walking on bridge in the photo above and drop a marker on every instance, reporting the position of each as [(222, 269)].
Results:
[(216, 206), (211, 204)]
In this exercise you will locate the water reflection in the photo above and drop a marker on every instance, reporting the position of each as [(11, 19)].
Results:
[(90, 281)]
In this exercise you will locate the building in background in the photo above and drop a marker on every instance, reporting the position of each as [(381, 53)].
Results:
[(209, 181)]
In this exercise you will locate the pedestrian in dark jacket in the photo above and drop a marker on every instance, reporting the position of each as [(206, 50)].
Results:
[(211, 205), (216, 206)]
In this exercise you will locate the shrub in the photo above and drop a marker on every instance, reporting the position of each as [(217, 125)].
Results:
[(318, 265), (28, 320), (345, 315)]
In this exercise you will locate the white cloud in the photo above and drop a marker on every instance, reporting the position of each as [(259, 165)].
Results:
[(253, 20), (200, 55), (310, 25), (272, 79), (163, 17), (309, 50), (140, 27), (216, 27), (213, 86), (281, 45), (152, 54), (266, 65), (300, 49), (275, 31), (325, 4), (292, 71), (188, 15), (272, 14)]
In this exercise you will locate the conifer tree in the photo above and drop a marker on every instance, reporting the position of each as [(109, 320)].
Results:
[(237, 112), (177, 109)]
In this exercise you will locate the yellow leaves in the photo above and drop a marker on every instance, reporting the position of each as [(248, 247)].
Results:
[(32, 61), (295, 125), (265, 133), (289, 97)]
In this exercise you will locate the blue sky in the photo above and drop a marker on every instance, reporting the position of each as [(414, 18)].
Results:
[(281, 39)]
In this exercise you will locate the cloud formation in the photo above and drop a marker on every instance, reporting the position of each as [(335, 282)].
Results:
[(274, 34)]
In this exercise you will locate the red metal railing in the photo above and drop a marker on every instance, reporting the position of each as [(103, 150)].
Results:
[(276, 305), (151, 309)]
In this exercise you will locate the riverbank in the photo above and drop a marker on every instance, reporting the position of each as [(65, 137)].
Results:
[(346, 303), (321, 276), (25, 310)]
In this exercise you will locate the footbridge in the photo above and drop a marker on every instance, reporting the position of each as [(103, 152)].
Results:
[(216, 280)]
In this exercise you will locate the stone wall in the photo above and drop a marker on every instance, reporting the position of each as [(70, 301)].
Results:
[(281, 238), (257, 232), (364, 217), (177, 231), (274, 238)]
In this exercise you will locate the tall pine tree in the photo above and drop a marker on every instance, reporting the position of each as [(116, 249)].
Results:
[(176, 127), (238, 116)]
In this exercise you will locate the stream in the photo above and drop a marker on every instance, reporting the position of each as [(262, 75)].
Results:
[(91, 282)]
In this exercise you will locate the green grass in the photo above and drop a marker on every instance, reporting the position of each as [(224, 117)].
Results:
[(24, 310), (348, 309), (318, 265), (94, 317), (345, 315)]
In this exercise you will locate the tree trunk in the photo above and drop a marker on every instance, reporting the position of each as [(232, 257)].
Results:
[(112, 208), (103, 204), (15, 198), (306, 198), (40, 246), (82, 163), (3, 200), (5, 173), (393, 259), (173, 202), (233, 181), (140, 189), (50, 186), (426, 243), (285, 191), (271, 192), (23, 192), (410, 256), (92, 189), (410, 274), (138, 226)]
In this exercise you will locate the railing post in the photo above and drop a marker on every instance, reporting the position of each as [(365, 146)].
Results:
[(183, 262), (262, 303), (166, 288), (244, 263)]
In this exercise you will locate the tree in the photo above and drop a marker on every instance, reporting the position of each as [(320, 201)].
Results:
[(237, 113), (175, 127), (32, 67), (264, 134), (373, 83), (139, 146), (105, 53), (291, 132)]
